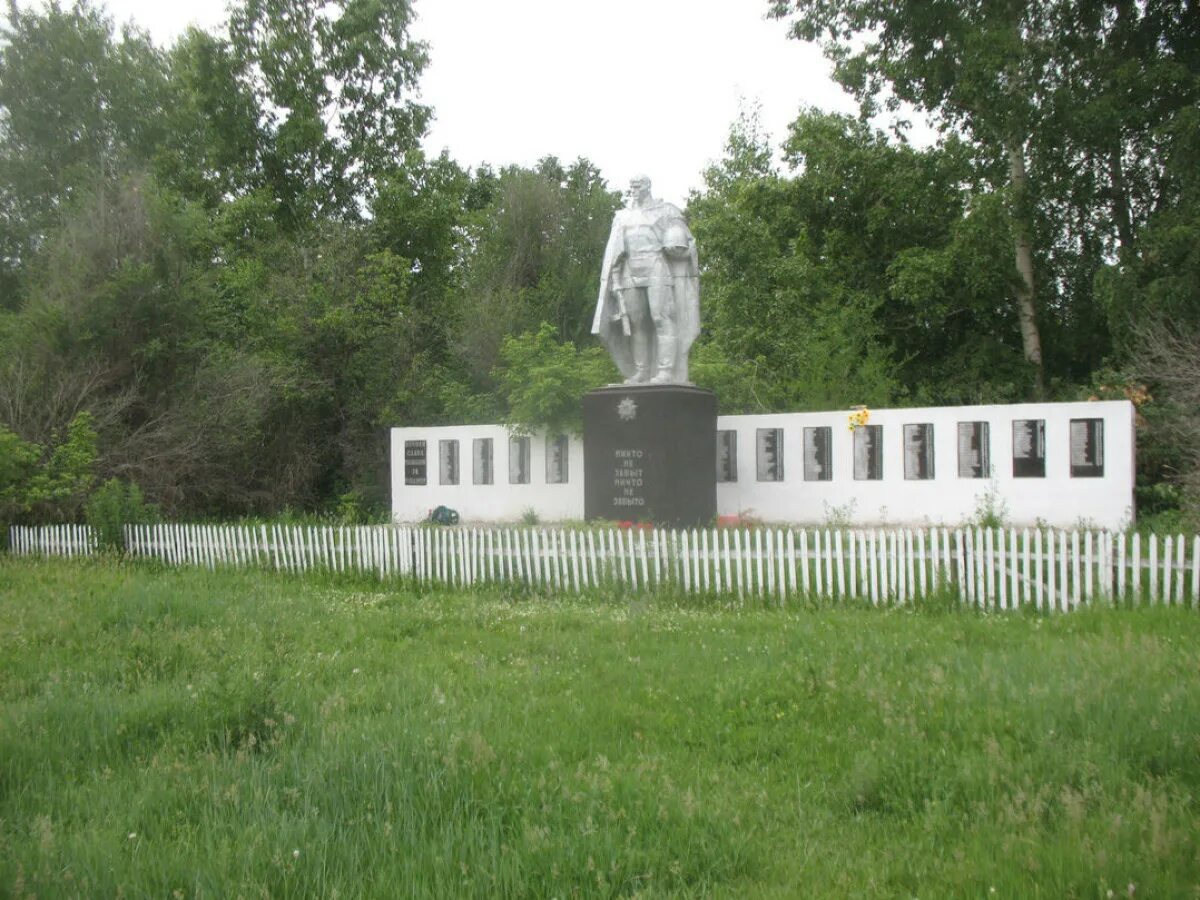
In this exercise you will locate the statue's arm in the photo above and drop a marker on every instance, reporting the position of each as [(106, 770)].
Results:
[(678, 242)]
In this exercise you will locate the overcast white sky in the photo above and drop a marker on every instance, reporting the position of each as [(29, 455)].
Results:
[(634, 85)]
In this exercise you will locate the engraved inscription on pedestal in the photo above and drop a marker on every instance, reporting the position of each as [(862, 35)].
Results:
[(629, 478), (1029, 448), (818, 453), (1087, 448), (918, 452), (974, 456)]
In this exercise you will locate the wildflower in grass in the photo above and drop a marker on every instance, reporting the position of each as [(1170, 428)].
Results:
[(133, 835), (296, 854)]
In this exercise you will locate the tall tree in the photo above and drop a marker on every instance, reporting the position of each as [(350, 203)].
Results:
[(533, 256), (77, 104), (976, 64), (1065, 103), (868, 273), (334, 85)]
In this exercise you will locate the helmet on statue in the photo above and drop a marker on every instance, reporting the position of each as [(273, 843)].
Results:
[(675, 241)]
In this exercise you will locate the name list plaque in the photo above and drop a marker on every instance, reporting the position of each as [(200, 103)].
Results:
[(973, 459), (1029, 448), (1087, 448), (818, 453)]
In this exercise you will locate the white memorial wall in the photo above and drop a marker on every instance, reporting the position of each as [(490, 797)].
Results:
[(1063, 464)]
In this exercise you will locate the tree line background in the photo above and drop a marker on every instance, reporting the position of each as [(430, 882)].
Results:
[(227, 267)]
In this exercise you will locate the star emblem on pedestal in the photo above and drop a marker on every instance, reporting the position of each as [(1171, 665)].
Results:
[(627, 409)]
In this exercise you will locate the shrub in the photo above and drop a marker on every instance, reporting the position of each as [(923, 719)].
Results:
[(114, 505)]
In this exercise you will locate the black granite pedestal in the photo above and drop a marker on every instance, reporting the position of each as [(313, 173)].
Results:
[(650, 454)]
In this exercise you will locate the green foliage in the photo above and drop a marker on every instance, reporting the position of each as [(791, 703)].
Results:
[(18, 463), (740, 386), (77, 103), (824, 276), (543, 380), (333, 85), (58, 489), (232, 253), (1079, 118), (272, 735), (1166, 359), (47, 483), (114, 505), (991, 509), (352, 509), (537, 242)]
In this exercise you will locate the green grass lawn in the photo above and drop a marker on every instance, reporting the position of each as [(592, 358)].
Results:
[(195, 734)]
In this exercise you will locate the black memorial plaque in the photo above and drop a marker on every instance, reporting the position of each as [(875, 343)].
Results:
[(727, 461), (918, 452), (1087, 448), (650, 453), (414, 462), (973, 452), (481, 461), (868, 453), (1029, 448), (818, 453)]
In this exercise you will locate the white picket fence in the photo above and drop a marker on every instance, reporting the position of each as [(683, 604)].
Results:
[(990, 568), (52, 540)]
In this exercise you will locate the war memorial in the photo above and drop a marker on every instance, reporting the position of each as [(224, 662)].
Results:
[(655, 450)]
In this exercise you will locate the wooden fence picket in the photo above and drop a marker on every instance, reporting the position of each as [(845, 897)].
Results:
[(1090, 544), (981, 589), (513, 544), (629, 556), (641, 553), (697, 561), (817, 559), (1179, 579), (827, 564), (1168, 569), (872, 558), (1064, 558), (1153, 569), (1075, 567), (782, 563), (1180, 556), (1121, 563), (1196, 572), (889, 587)]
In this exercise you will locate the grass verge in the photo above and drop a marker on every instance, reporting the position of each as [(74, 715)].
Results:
[(186, 733)]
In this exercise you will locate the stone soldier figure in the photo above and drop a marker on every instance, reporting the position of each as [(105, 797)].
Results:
[(648, 312)]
